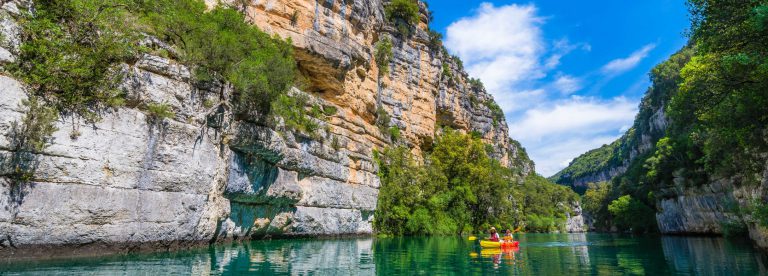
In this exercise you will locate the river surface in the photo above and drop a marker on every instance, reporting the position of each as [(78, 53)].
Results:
[(538, 254)]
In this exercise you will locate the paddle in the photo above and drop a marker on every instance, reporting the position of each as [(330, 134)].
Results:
[(513, 231)]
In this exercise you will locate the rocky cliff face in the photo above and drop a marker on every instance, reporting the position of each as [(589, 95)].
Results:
[(684, 206), (709, 208), (202, 175)]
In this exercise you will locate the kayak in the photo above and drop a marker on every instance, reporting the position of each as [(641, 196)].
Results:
[(492, 244)]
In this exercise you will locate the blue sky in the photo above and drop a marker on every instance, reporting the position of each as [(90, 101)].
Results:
[(568, 74)]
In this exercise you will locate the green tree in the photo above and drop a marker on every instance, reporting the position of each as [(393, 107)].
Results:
[(631, 214), (459, 188)]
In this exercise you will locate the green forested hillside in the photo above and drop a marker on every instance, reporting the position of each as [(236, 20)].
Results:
[(714, 93)]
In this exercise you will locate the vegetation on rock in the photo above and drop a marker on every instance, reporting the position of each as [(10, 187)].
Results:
[(404, 14), (70, 53), (29, 136), (383, 55)]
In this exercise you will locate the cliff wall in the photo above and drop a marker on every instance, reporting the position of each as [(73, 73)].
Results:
[(202, 175)]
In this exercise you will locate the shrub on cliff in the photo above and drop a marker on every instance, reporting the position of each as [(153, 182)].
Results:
[(404, 14), (223, 47), (383, 55), (70, 51)]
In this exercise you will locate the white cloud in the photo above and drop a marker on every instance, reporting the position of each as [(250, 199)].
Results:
[(567, 84), (500, 45), (621, 65), (556, 133), (505, 47), (576, 115)]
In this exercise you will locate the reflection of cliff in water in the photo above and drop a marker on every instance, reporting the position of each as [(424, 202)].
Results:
[(580, 247), (353, 257), (712, 256)]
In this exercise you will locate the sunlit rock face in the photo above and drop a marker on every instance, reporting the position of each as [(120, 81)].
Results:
[(203, 175)]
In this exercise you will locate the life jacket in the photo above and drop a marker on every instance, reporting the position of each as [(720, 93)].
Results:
[(494, 237)]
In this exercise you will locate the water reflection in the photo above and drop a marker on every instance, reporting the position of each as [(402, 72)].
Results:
[(539, 254), (330, 257), (712, 256), (580, 247)]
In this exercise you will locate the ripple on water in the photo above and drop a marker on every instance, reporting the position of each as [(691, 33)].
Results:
[(539, 254)]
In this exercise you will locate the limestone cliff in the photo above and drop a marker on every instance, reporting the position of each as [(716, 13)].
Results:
[(202, 175)]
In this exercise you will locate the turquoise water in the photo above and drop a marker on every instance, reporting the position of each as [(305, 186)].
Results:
[(539, 254)]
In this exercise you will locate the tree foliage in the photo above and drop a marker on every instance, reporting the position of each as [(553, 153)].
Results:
[(458, 189), (721, 110), (631, 214), (70, 51), (404, 14), (224, 48)]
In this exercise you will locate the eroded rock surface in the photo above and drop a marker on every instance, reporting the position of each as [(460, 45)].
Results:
[(201, 175)]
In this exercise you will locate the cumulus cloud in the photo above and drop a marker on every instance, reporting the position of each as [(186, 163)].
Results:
[(621, 65), (500, 45), (505, 47)]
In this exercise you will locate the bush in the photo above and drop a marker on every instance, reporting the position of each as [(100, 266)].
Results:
[(734, 228), (404, 14), (223, 47), (760, 213), (447, 72), (293, 111), (394, 133), (382, 118), (70, 51), (159, 111), (496, 112), (435, 43), (383, 55), (476, 84), (631, 214), (329, 110), (27, 138)]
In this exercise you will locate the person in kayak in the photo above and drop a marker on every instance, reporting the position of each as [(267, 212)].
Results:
[(494, 235), (508, 235)]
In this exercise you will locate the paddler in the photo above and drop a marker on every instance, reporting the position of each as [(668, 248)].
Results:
[(508, 235), (494, 235)]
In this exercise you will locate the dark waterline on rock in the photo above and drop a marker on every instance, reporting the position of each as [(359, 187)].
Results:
[(539, 254)]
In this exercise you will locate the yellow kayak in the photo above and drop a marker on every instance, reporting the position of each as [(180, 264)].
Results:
[(493, 244)]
